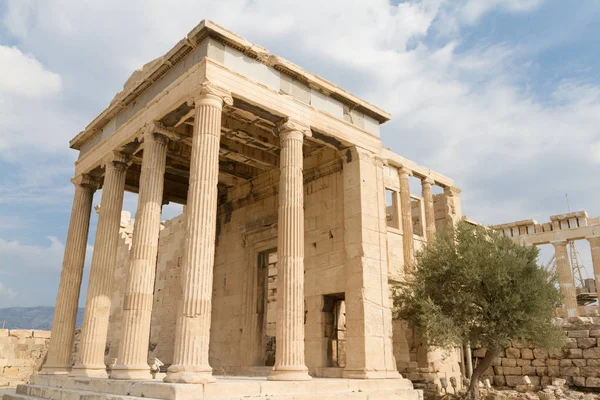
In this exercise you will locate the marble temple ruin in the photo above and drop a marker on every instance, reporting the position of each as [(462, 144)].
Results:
[(562, 230), (296, 222)]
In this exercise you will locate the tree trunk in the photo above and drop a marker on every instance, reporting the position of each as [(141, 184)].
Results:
[(473, 392)]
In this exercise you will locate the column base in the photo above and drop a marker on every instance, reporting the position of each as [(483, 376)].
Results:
[(289, 374), (139, 372), (189, 374), (370, 374), (89, 370), (55, 369)]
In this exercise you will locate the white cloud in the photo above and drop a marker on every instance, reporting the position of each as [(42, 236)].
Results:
[(23, 75), (31, 117), (30, 258)]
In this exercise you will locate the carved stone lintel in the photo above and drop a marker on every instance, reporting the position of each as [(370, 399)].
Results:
[(86, 181), (117, 159), (452, 190), (207, 89), (290, 125)]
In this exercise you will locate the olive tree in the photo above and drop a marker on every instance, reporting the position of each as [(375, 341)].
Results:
[(473, 284)]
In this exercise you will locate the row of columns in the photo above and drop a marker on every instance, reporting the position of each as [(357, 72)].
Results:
[(190, 361), (451, 194), (565, 273)]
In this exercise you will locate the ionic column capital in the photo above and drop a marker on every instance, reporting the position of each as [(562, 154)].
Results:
[(405, 171), (210, 94), (157, 132), (86, 181), (427, 181), (292, 129), (117, 159)]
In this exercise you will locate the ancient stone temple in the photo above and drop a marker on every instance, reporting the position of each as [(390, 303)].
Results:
[(275, 282), (580, 295)]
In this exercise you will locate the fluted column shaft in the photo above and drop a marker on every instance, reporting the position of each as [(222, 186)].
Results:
[(429, 210), (565, 278), (190, 360), (58, 360), (595, 249), (289, 332), (97, 306), (407, 229), (132, 358)]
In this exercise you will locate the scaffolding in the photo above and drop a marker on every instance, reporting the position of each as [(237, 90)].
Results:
[(585, 286)]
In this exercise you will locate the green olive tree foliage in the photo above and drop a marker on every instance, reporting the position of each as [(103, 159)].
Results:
[(473, 284)]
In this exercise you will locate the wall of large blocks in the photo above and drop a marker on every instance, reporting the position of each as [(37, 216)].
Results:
[(119, 287), (22, 352), (244, 287), (578, 361), (247, 229)]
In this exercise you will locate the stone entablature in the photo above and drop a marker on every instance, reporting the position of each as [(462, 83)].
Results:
[(234, 52), (570, 226)]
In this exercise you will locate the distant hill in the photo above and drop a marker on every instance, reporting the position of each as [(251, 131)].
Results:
[(30, 317)]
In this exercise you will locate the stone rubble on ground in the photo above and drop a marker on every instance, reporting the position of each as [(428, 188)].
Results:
[(556, 391)]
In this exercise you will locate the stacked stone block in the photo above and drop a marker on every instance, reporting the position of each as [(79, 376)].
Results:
[(578, 362), (22, 352), (423, 364)]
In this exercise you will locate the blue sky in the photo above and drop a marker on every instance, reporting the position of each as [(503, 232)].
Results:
[(501, 95)]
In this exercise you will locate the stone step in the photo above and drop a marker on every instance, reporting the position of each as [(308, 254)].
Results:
[(71, 388), (39, 393), (56, 393)]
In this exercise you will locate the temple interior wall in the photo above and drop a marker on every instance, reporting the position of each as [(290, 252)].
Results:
[(119, 287), (243, 315)]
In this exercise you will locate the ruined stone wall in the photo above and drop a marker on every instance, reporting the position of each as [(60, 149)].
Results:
[(415, 359), (167, 289), (247, 227), (578, 362), (423, 364), (119, 287), (22, 353)]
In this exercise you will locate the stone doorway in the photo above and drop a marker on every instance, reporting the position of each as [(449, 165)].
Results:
[(334, 308), (267, 282)]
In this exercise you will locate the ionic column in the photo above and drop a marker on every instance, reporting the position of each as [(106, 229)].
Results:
[(595, 248), (407, 229), (137, 305), (289, 357), (190, 359), (58, 360), (565, 278), (429, 210), (97, 306)]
